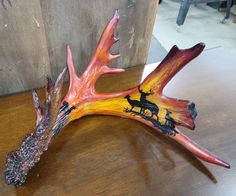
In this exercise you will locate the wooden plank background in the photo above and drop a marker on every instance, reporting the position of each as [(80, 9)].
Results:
[(24, 60), (34, 34)]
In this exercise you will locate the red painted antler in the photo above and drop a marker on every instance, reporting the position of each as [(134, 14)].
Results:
[(145, 103), (183, 111), (97, 65)]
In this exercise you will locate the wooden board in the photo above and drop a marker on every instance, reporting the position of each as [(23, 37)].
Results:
[(79, 23), (106, 155), (24, 58), (34, 35)]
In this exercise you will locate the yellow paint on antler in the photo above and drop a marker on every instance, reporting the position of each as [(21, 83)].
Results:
[(170, 112)]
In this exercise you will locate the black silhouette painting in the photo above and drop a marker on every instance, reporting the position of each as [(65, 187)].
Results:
[(65, 110), (169, 120), (148, 104), (149, 111)]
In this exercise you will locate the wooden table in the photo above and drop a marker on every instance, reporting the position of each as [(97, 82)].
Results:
[(105, 155)]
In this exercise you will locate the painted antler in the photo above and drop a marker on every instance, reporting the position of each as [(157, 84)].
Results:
[(153, 109)]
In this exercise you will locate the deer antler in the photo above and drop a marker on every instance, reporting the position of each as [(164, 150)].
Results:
[(83, 99)]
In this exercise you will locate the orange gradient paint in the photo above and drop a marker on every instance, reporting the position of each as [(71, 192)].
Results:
[(145, 103), (82, 93)]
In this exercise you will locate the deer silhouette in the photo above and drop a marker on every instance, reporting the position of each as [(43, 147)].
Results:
[(146, 104), (133, 103), (144, 95), (152, 107)]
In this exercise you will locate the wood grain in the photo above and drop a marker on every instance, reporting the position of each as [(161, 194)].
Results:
[(24, 58), (34, 35), (105, 155)]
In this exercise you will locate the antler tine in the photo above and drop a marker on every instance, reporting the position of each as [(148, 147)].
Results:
[(106, 41), (199, 151), (102, 56), (48, 86), (97, 65), (72, 72), (37, 106), (170, 66), (53, 100), (59, 83)]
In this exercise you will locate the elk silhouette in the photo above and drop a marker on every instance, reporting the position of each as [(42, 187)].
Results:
[(144, 95), (146, 104)]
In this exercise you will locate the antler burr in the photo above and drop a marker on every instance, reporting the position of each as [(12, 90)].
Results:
[(152, 108)]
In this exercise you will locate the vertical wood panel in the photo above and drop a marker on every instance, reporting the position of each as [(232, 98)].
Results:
[(79, 23), (34, 34), (24, 58)]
